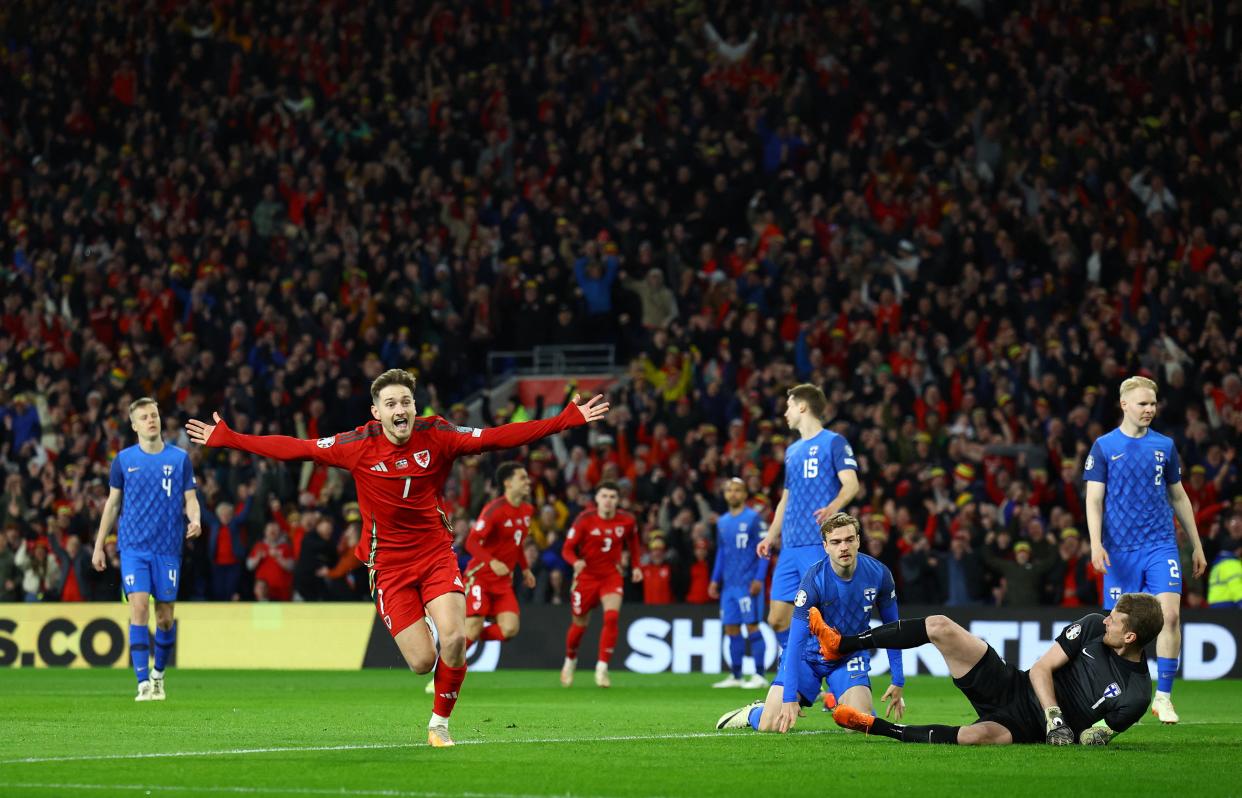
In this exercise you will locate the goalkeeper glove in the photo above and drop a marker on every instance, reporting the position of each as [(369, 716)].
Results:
[(1057, 732), (1097, 735)]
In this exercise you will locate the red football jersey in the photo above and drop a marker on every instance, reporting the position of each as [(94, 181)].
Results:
[(399, 486), (499, 534), (600, 542)]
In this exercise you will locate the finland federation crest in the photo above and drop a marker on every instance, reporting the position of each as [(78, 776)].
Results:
[(168, 470), (1112, 691), (869, 595)]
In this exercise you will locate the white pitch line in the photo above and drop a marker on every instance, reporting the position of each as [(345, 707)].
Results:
[(31, 760), (230, 790)]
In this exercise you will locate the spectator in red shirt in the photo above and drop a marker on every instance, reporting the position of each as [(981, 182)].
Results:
[(657, 574), (271, 560)]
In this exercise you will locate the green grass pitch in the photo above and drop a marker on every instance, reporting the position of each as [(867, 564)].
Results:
[(264, 734)]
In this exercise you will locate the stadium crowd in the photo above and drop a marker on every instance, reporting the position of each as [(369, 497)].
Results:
[(967, 223)]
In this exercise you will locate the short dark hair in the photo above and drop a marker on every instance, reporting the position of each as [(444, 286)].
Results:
[(1143, 614), (814, 397), (608, 484), (505, 471), (836, 521), (391, 377)]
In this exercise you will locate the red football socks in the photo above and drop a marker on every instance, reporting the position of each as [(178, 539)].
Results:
[(573, 639), (448, 683), (608, 637)]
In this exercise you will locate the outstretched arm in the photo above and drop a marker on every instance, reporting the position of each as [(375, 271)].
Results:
[(278, 447), (509, 436)]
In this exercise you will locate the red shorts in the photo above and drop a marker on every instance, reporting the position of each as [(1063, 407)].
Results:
[(401, 594), (488, 595), (588, 589)]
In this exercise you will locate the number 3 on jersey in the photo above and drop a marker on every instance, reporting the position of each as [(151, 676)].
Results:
[(810, 468)]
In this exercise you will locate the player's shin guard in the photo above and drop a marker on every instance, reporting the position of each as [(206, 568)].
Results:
[(573, 639), (165, 639), (910, 633), (448, 683), (934, 733), (608, 637), (140, 651), (758, 650), (737, 650), (1166, 669)]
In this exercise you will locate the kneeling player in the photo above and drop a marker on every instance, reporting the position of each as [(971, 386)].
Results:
[(1095, 671), (847, 586), (593, 547)]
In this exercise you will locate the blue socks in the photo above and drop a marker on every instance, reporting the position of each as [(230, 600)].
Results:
[(164, 641), (782, 639), (140, 651), (757, 650), (737, 649), (753, 717), (1166, 669)]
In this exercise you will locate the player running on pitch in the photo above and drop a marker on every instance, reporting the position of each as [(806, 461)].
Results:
[(846, 585), (399, 463), (593, 547), (1095, 671)]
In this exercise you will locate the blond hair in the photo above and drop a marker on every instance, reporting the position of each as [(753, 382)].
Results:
[(1134, 383), (142, 402)]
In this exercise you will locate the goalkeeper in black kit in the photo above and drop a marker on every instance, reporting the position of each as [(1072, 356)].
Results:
[(1090, 686)]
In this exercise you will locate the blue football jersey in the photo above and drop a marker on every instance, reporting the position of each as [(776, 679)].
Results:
[(153, 498), (1135, 473), (737, 564), (811, 467), (846, 606)]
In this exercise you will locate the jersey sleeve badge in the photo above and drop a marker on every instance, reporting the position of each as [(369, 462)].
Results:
[(800, 599)]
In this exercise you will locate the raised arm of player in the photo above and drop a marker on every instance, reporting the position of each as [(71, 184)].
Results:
[(277, 447), (773, 538), (509, 436)]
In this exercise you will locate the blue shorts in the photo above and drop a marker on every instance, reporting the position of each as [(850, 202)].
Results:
[(157, 574), (1153, 571), (840, 675), (793, 564), (739, 607)]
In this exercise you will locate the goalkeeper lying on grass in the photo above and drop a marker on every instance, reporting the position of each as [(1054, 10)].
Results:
[(1091, 685)]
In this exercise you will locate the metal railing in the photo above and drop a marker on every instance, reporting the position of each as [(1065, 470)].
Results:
[(564, 359)]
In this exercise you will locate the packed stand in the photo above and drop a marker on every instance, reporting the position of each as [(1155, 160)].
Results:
[(968, 224)]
